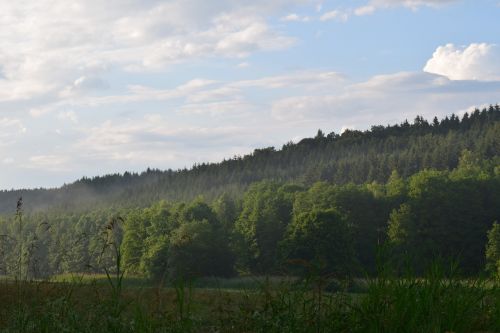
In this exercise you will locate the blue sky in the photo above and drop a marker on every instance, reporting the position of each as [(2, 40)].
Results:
[(92, 87)]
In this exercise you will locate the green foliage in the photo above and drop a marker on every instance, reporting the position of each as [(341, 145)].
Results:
[(401, 226), (197, 249), (226, 210), (432, 213), (154, 261), (396, 186), (133, 243), (177, 241), (447, 215), (438, 302), (321, 238), (364, 211), (493, 250), (266, 212)]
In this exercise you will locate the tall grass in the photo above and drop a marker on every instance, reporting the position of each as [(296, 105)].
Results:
[(436, 302)]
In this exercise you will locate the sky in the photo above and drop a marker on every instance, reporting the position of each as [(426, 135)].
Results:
[(92, 87)]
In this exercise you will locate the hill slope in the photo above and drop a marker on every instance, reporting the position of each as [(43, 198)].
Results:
[(354, 156)]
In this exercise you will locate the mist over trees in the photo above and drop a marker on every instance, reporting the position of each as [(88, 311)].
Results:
[(328, 203)]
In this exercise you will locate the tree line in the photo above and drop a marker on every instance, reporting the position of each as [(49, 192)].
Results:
[(276, 228), (351, 157)]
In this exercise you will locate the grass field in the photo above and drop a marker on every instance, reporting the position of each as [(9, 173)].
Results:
[(84, 303)]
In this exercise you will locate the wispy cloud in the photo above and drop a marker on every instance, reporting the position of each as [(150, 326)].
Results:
[(335, 15), (374, 5), (295, 18)]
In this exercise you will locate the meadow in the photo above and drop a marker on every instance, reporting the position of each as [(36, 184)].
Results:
[(435, 302)]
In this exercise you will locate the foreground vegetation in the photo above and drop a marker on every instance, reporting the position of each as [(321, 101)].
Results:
[(436, 302)]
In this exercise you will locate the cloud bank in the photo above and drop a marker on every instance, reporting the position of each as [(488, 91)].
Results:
[(473, 62), (47, 46)]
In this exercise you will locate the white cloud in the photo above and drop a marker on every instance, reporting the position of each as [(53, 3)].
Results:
[(196, 91), (42, 110), (88, 83), (48, 162), (474, 62), (335, 15), (234, 108), (218, 94), (157, 141), (373, 5), (52, 46), (70, 115), (134, 94), (295, 18), (10, 129), (246, 37), (311, 80), (207, 120), (322, 99), (412, 3), (386, 99), (365, 10), (8, 160)]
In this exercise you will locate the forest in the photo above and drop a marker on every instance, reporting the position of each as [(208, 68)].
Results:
[(418, 191), (356, 157)]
